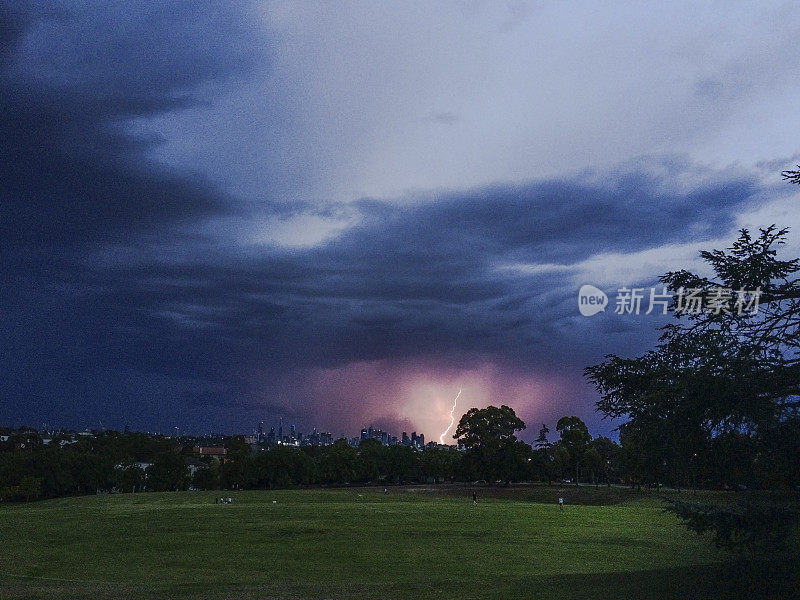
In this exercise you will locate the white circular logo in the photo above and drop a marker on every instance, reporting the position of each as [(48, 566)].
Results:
[(591, 300)]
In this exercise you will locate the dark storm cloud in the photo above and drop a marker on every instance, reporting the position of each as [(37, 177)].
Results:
[(562, 220), (425, 278), (113, 311), (428, 279), (73, 177), (70, 78)]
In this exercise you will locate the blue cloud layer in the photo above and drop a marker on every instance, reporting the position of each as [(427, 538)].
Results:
[(128, 300)]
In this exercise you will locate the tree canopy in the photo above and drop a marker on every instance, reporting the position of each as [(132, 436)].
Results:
[(721, 368), (719, 395), (489, 427)]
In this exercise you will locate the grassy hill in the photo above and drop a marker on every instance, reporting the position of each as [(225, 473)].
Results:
[(423, 542)]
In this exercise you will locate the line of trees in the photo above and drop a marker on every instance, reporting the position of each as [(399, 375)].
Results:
[(489, 452)]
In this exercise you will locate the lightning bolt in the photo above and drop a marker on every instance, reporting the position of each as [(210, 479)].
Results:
[(452, 418)]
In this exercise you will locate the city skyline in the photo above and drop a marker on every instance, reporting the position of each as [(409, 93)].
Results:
[(291, 436)]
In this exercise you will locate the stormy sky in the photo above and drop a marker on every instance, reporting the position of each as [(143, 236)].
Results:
[(342, 213)]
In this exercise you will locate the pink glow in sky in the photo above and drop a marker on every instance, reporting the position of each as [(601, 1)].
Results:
[(415, 396)]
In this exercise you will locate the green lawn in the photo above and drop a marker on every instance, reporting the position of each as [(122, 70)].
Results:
[(352, 543)]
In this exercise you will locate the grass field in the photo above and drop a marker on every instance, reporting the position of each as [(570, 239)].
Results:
[(422, 543)]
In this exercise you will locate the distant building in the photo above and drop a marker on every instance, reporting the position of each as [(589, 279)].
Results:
[(317, 438), (384, 437), (212, 451), (417, 441)]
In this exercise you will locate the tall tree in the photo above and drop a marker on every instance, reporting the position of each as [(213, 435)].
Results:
[(168, 473), (609, 453), (575, 437), (734, 366), (489, 427), (492, 449), (542, 441), (724, 375)]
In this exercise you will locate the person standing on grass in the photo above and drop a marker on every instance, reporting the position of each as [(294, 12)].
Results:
[(474, 498)]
